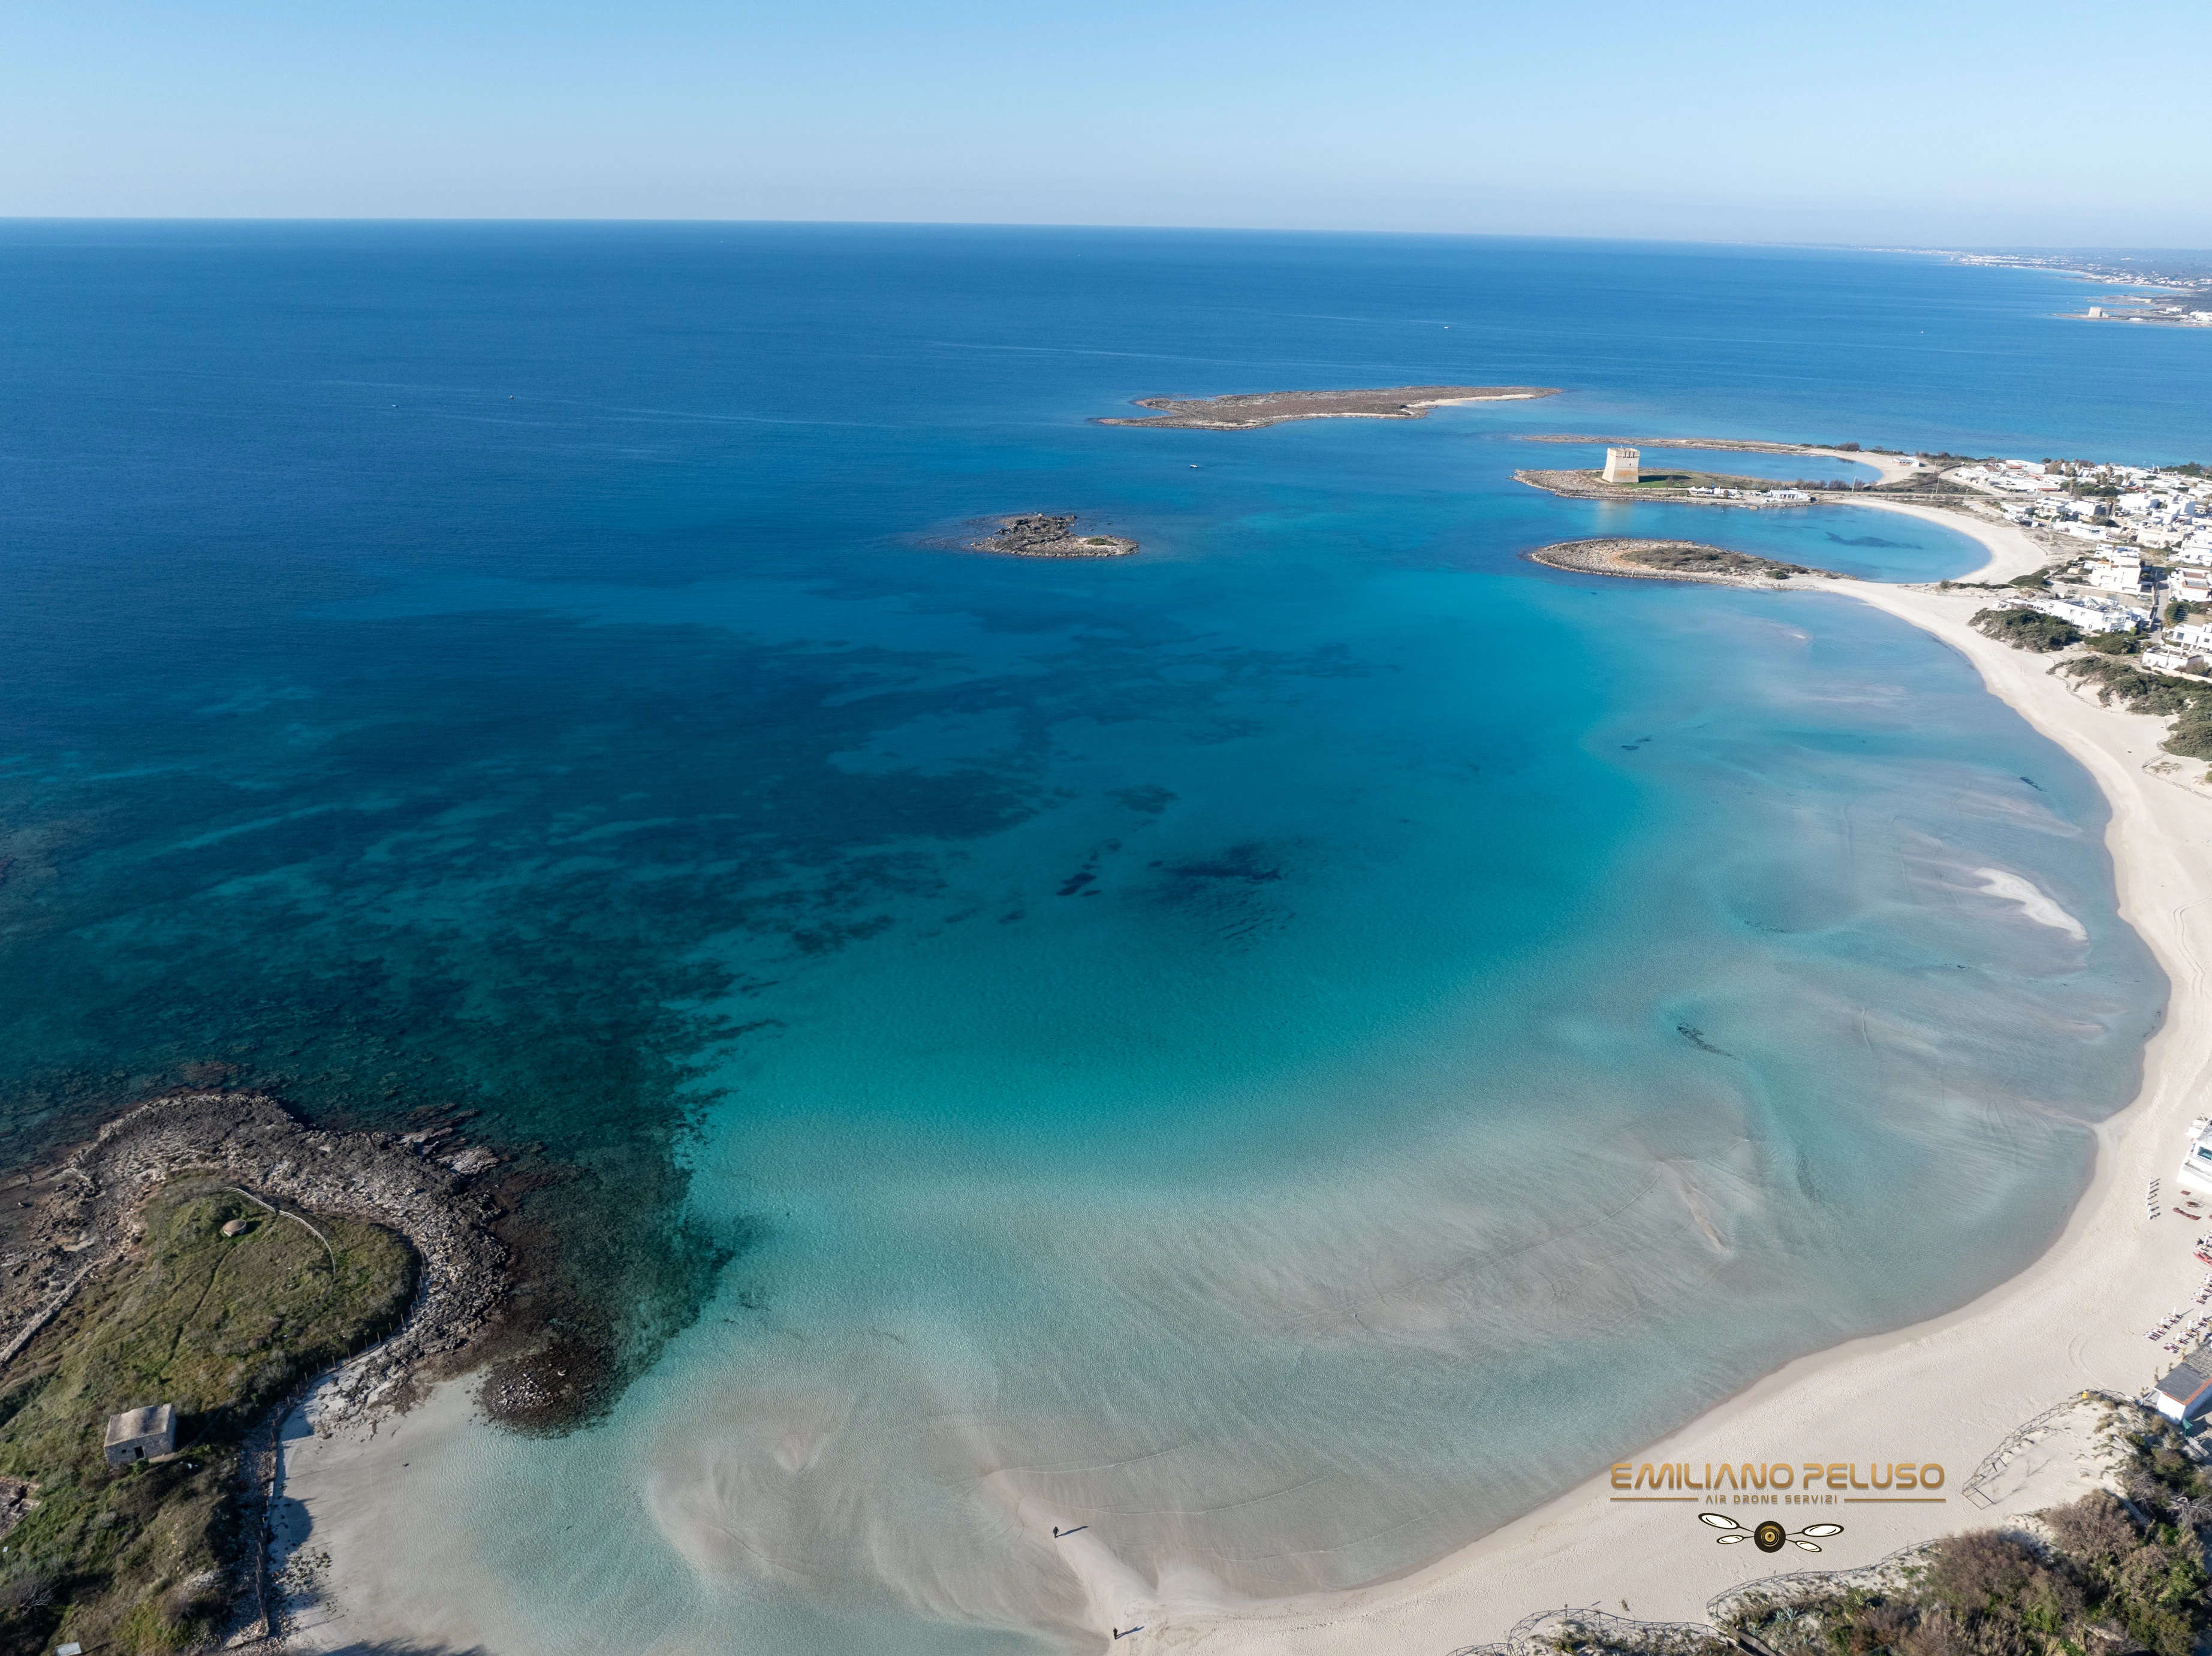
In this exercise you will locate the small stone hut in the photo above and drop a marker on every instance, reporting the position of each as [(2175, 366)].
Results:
[(145, 1434)]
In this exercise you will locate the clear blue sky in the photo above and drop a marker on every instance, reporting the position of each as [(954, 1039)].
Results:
[(1931, 124)]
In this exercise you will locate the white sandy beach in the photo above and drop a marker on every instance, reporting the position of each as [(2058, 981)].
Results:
[(1947, 1391)]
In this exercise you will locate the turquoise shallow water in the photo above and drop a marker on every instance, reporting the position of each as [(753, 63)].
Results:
[(1287, 1049)]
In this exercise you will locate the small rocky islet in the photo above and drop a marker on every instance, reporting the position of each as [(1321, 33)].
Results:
[(1046, 535)]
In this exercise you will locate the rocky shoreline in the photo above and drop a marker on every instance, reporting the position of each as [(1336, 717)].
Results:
[(421, 1183), (1249, 410), (1043, 535)]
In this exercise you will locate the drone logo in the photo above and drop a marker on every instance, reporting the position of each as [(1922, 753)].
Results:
[(1768, 1536)]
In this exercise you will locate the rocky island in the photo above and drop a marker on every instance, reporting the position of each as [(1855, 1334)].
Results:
[(1676, 561), (1042, 535), (1249, 410)]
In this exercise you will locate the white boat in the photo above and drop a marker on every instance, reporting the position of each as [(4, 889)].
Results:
[(2196, 1166)]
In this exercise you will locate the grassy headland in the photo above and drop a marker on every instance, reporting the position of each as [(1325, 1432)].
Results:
[(141, 1560)]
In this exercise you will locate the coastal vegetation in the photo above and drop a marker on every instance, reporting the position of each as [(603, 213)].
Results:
[(2115, 680), (2105, 1574), (2186, 701), (2026, 629), (2110, 1572), (221, 1309), (2119, 1570), (1690, 555)]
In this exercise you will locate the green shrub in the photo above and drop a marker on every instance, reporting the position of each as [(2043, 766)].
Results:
[(2026, 629), (2139, 691), (2106, 1582)]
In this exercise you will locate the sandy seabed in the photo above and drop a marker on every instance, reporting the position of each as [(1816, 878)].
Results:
[(1947, 1391)]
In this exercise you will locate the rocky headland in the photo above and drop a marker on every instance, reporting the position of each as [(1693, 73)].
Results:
[(424, 1184), (209, 1250), (1249, 410)]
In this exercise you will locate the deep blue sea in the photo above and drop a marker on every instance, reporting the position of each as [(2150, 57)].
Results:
[(1287, 1049)]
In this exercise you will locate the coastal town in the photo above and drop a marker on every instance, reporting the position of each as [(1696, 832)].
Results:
[(2164, 289), (2131, 546)]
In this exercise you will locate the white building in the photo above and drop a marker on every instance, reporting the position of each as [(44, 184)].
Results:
[(2196, 638), (2094, 615), (2185, 1394), (2161, 660)]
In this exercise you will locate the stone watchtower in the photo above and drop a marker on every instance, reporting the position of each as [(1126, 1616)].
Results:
[(1621, 466)]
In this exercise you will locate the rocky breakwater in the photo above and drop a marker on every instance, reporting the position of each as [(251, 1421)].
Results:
[(1042, 535)]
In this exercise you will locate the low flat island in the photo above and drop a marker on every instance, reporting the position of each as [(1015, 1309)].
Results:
[(1676, 561), (1895, 473), (1249, 410)]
